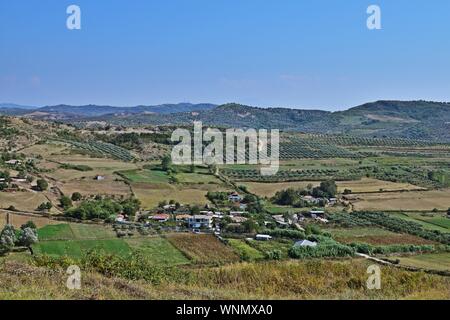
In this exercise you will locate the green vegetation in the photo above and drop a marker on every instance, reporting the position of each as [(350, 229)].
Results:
[(161, 251), (246, 252), (394, 224), (78, 167), (76, 248), (41, 185), (102, 209)]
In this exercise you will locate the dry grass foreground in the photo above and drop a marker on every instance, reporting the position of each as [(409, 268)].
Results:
[(268, 280)]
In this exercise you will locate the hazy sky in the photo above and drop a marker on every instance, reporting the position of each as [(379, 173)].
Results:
[(288, 53)]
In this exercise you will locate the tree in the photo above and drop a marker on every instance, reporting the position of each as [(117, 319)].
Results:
[(249, 226), (326, 189), (76, 196), (41, 185), (27, 238), (131, 206), (29, 224), (195, 210), (7, 238), (448, 211), (166, 162), (44, 206), (65, 202)]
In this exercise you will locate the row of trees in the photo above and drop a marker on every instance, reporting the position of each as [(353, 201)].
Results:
[(103, 208)]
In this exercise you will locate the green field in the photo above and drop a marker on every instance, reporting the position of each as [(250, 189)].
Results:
[(90, 232), (246, 252), (268, 246), (75, 231), (56, 232), (76, 248), (423, 222), (160, 250), (439, 221)]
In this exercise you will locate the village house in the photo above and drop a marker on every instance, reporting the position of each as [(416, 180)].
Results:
[(237, 213), (200, 222), (99, 178), (234, 197), (182, 217), (163, 217), (316, 213)]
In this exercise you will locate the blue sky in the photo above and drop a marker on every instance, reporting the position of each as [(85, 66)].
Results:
[(286, 53)]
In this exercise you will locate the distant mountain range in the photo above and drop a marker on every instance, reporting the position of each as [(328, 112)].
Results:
[(401, 119), (68, 112)]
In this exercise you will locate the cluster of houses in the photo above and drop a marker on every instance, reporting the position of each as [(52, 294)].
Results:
[(205, 220), (316, 201), (297, 218)]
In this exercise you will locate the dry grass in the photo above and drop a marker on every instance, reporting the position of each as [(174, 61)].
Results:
[(409, 201), (374, 185), (92, 187), (243, 281), (17, 220), (152, 194), (21, 200), (363, 185)]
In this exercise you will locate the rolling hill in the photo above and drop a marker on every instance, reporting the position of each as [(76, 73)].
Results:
[(422, 120)]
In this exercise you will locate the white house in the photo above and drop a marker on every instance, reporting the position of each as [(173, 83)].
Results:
[(200, 221)]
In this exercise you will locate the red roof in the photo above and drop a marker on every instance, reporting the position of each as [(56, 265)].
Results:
[(161, 217)]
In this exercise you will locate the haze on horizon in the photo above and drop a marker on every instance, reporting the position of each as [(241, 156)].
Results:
[(298, 54)]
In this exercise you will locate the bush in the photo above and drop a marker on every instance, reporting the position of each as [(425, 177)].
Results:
[(41, 185), (76, 196)]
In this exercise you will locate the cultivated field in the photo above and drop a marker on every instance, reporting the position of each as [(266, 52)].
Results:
[(375, 236), (398, 201), (22, 201), (152, 194), (93, 187), (363, 185), (374, 185), (160, 250), (203, 249)]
